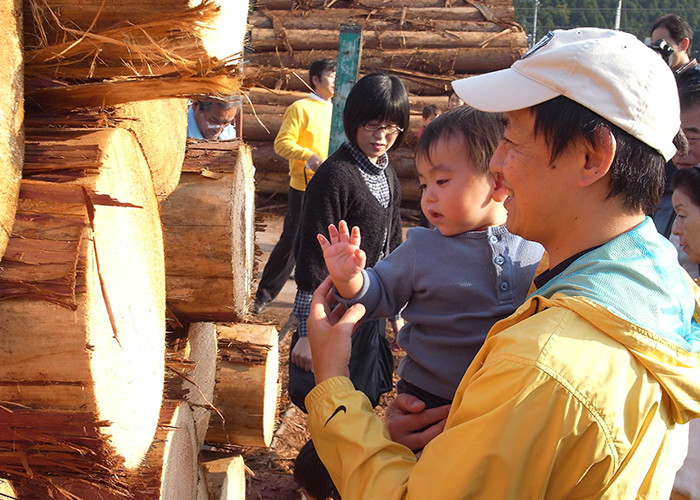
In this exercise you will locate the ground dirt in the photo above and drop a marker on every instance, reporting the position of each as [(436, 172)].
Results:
[(270, 469)]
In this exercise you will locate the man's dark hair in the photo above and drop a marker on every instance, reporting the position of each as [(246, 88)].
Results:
[(479, 132), (380, 97), (637, 170), (677, 27), (312, 475), (318, 67), (431, 110), (688, 181), (689, 97), (226, 103)]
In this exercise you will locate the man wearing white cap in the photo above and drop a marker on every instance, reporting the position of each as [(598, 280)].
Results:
[(583, 391)]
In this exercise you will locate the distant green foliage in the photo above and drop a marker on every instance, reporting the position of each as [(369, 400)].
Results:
[(636, 18)]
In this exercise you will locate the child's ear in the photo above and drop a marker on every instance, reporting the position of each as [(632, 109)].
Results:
[(499, 192)]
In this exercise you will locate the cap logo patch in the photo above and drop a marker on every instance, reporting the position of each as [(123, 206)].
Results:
[(543, 41)]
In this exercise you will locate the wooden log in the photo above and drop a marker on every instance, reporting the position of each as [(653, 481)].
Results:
[(201, 349), (209, 233), (225, 478), (168, 472), (12, 112), (501, 8), (7, 490), (160, 127), (215, 27), (89, 267), (263, 39), (464, 17), (439, 61), (246, 385)]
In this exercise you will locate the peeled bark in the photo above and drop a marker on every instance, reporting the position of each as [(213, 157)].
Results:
[(209, 233), (246, 385), (12, 113), (152, 32), (82, 321)]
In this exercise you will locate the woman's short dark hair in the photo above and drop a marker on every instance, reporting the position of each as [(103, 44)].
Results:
[(379, 97), (688, 181), (637, 170), (480, 133)]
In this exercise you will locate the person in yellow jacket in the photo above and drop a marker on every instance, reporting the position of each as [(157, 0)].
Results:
[(584, 390), (303, 139)]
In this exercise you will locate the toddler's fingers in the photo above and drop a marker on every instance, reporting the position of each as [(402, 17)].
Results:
[(355, 236), (343, 230), (333, 233), (325, 244)]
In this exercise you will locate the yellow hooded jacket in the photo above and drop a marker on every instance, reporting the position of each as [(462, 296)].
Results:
[(582, 393)]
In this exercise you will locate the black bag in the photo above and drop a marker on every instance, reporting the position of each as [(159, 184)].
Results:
[(371, 365)]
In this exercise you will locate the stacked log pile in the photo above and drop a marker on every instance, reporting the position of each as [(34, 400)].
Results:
[(83, 278), (427, 43)]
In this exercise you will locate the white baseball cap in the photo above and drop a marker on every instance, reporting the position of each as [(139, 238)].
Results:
[(609, 72)]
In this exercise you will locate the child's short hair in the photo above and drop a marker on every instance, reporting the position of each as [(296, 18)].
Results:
[(311, 474), (431, 110), (480, 131), (377, 96)]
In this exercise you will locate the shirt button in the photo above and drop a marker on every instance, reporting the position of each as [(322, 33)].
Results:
[(493, 239), (499, 260), (504, 285)]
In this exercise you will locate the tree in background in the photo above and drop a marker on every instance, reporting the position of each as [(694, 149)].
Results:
[(637, 15)]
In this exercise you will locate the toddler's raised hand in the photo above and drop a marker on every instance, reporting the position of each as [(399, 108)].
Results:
[(344, 258)]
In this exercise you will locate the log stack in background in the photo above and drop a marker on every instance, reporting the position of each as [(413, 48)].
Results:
[(83, 275), (427, 43)]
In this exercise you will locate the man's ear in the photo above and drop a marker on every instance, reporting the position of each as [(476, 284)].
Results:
[(599, 156), (684, 44), (315, 80), (195, 105)]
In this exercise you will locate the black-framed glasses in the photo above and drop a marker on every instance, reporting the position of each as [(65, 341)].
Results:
[(389, 129)]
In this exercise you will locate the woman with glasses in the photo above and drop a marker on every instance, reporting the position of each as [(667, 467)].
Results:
[(686, 203), (355, 184)]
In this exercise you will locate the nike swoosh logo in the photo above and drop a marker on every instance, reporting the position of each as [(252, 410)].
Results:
[(337, 410)]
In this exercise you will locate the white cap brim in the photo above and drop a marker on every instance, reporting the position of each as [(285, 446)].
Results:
[(501, 91)]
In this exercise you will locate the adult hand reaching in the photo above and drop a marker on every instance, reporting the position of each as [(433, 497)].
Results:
[(406, 420), (330, 333)]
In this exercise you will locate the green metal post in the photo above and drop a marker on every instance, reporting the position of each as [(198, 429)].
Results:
[(349, 56)]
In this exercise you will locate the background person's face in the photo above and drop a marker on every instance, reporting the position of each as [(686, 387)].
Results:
[(690, 124), (324, 87), (213, 121), (678, 57), (454, 102), (687, 224)]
